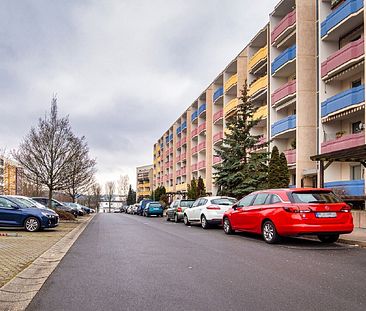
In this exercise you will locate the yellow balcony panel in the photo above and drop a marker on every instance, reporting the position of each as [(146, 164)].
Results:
[(181, 187), (258, 58), (258, 86), (233, 80), (261, 113), (230, 107)]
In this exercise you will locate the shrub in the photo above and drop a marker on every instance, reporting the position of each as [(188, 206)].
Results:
[(65, 215)]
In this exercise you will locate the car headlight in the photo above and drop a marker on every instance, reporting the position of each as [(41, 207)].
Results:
[(47, 215)]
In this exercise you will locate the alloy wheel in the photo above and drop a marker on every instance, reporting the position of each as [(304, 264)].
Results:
[(32, 224)]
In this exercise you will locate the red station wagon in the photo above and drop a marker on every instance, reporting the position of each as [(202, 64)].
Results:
[(290, 212)]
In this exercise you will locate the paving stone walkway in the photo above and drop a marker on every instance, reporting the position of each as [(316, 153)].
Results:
[(18, 252)]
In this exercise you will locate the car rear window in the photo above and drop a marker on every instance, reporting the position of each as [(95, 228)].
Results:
[(223, 201), (186, 203), (314, 197), (154, 205)]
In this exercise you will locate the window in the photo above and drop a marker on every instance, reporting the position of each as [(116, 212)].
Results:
[(223, 201), (4, 203), (273, 199), (314, 197), (355, 172), (246, 201), (357, 127), (356, 83), (260, 198)]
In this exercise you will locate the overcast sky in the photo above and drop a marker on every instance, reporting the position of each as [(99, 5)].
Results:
[(122, 70)]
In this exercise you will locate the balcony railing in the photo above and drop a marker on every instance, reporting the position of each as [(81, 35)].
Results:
[(343, 58), (283, 93), (258, 86), (285, 57), (218, 115), (290, 156), (183, 141), (179, 130), (181, 187), (201, 165), (287, 22), (216, 159), (201, 146), (194, 116), (179, 144), (284, 125), (230, 106), (218, 93), (170, 137), (201, 109), (261, 113), (258, 58), (194, 149), (178, 173), (183, 156), (194, 167), (184, 126), (339, 14), (178, 158), (183, 171), (201, 127), (217, 137), (233, 80), (194, 132), (343, 100), (344, 142), (347, 187)]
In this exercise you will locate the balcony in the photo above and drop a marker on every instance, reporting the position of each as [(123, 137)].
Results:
[(194, 132), (261, 113), (284, 94), (194, 149), (183, 156), (179, 130), (194, 167), (181, 187), (183, 141), (201, 146), (219, 92), (258, 60), (281, 64), (344, 100), (201, 128), (290, 156), (344, 142), (346, 57), (170, 137), (194, 116), (184, 126), (202, 165), (178, 173), (218, 116), (343, 19), (230, 107), (258, 87), (284, 28), (178, 158), (183, 171), (218, 137), (202, 109), (216, 160), (347, 187), (284, 125), (233, 80), (179, 144)]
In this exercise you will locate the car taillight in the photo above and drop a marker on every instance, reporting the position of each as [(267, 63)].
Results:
[(296, 209), (179, 209), (346, 209), (213, 207)]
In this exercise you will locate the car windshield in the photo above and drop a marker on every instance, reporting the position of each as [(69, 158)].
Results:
[(223, 201), (314, 197), (20, 203), (154, 205), (27, 202), (186, 203)]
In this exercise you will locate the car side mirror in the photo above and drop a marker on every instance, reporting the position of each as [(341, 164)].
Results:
[(15, 207), (235, 206)]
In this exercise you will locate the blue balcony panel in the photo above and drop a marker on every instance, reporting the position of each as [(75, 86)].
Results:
[(194, 115), (202, 108), (284, 125), (218, 93), (286, 56), (339, 14), (347, 187), (179, 130), (343, 100), (184, 125), (161, 145), (171, 137), (167, 139)]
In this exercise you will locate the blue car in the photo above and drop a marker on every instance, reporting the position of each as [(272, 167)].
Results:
[(142, 205), (16, 213), (153, 208)]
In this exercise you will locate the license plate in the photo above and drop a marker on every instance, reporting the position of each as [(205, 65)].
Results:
[(326, 215), (156, 209)]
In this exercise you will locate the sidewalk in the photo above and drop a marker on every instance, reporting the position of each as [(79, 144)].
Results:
[(358, 236)]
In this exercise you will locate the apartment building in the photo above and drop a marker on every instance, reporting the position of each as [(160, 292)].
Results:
[(144, 176), (12, 178), (305, 73)]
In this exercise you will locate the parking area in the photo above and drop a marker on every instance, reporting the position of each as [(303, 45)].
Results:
[(18, 248)]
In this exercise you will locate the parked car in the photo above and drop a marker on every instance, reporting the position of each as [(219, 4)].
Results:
[(153, 208), (130, 209), (291, 212), (177, 208), (16, 213), (29, 201), (141, 206), (134, 209), (75, 207), (116, 210), (55, 205), (87, 210), (208, 211)]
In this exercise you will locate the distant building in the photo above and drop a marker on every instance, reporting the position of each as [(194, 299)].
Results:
[(2, 168), (144, 178), (117, 202), (11, 176)]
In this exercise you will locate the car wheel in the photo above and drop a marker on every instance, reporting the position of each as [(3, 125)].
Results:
[(32, 224), (204, 223), (269, 232), (227, 226), (186, 221), (331, 238), (176, 219)]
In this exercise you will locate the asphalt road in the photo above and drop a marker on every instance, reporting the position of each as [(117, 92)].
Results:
[(125, 262)]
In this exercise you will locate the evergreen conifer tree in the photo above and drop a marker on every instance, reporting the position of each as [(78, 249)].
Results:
[(192, 189), (201, 189), (274, 170), (284, 172)]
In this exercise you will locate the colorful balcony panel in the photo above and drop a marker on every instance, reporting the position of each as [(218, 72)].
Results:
[(339, 14), (344, 142), (216, 159), (170, 137), (343, 58), (344, 100), (201, 127), (202, 146), (285, 57), (194, 116), (179, 130), (230, 107), (202, 165), (258, 86), (194, 132), (286, 23), (218, 115), (184, 125), (201, 109), (218, 137), (347, 187), (194, 149), (218, 93), (290, 156), (283, 125), (260, 57), (233, 80), (283, 93), (261, 113), (194, 167)]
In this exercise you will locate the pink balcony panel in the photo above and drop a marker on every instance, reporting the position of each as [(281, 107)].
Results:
[(202, 146), (178, 172), (194, 149), (290, 156), (352, 50), (171, 150), (218, 115), (216, 159), (201, 164), (194, 132), (178, 158), (183, 140), (194, 167), (217, 137), (183, 170), (285, 90), (344, 142), (288, 21), (170, 176), (179, 143), (183, 156), (201, 127)]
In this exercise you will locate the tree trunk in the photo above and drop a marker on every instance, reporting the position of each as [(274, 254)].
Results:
[(50, 190)]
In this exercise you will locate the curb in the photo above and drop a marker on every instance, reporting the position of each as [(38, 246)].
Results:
[(352, 242), (20, 291)]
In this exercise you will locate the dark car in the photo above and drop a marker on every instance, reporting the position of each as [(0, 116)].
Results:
[(153, 208), (142, 205), (75, 208), (15, 213), (56, 205), (176, 209)]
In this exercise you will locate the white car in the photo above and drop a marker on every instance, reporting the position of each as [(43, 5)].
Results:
[(134, 209), (208, 211)]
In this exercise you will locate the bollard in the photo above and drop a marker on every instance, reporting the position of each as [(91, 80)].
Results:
[(10, 234)]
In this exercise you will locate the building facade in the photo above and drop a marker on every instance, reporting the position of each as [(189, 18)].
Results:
[(144, 178), (305, 73)]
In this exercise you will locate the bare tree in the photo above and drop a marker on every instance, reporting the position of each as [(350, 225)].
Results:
[(123, 185), (110, 188), (95, 192), (47, 151), (82, 170)]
